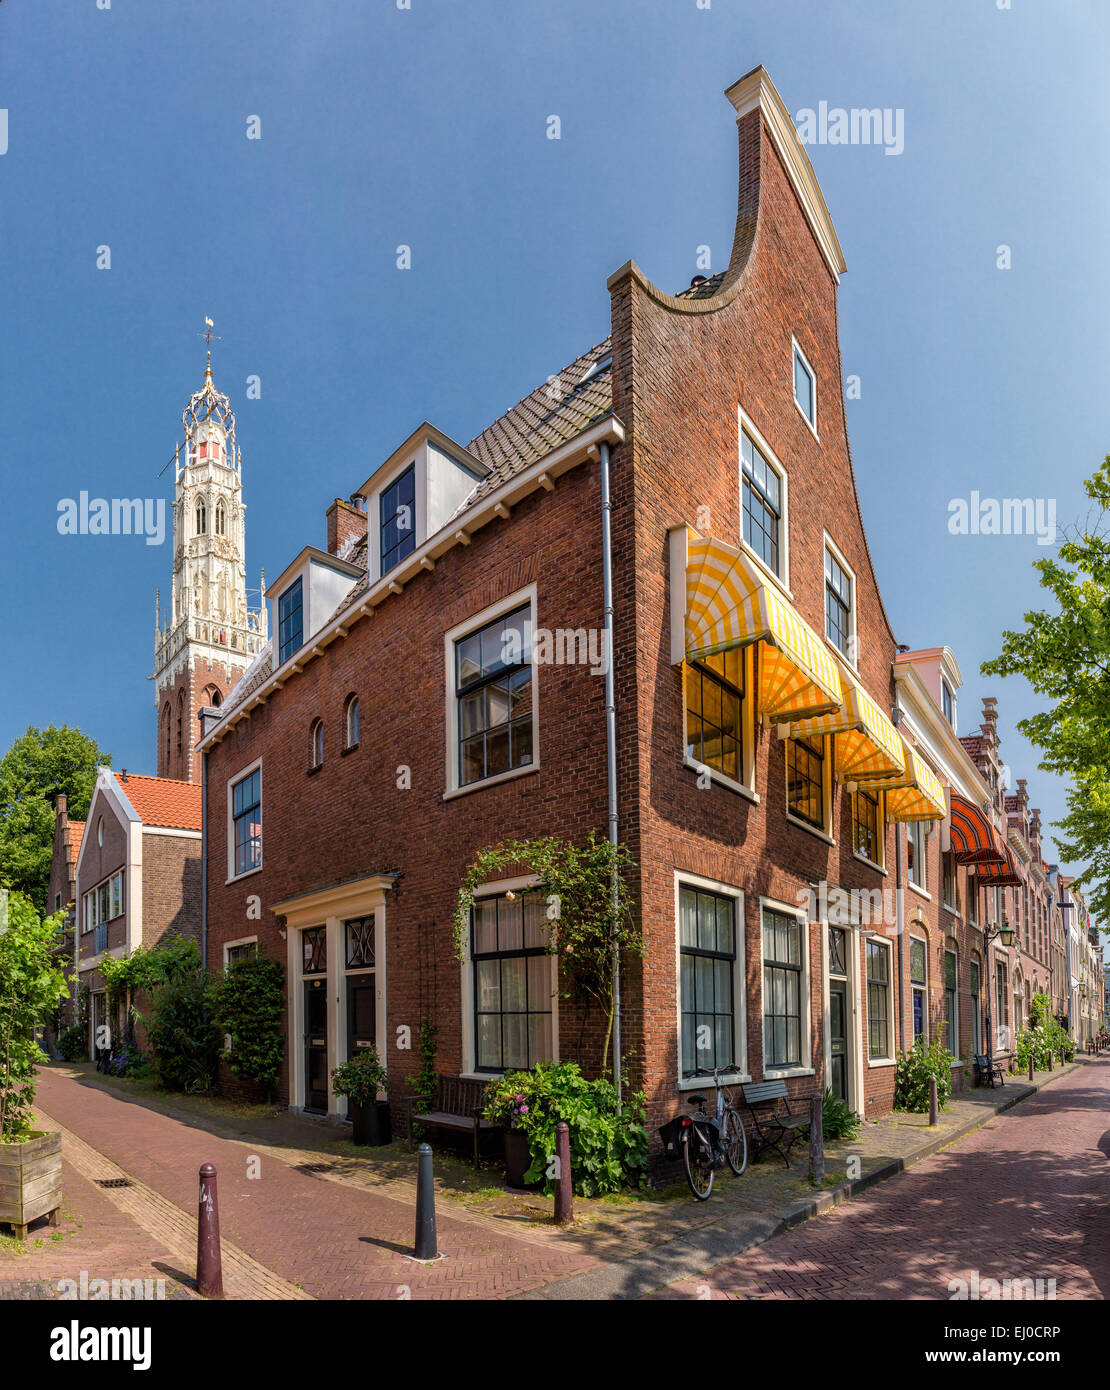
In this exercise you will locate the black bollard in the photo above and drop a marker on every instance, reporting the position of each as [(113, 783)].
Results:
[(426, 1248), (934, 1107), (564, 1183), (1030, 1064), (210, 1279), (817, 1138)]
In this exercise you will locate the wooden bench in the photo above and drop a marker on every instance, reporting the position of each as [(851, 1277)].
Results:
[(988, 1070), (456, 1104), (773, 1128)]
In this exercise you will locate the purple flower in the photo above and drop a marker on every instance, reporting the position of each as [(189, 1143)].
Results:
[(524, 1110)]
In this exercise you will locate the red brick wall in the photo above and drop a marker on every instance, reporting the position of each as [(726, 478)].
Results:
[(171, 888), (344, 523)]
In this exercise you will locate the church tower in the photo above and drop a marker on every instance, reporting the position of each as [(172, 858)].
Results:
[(208, 636)]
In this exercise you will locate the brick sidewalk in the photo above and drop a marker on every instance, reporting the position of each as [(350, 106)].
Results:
[(1025, 1197), (330, 1239)]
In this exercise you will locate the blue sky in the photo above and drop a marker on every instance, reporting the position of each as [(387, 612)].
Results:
[(427, 126)]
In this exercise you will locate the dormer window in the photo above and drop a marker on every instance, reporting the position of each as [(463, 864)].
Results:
[(398, 519), (947, 702), (290, 622)]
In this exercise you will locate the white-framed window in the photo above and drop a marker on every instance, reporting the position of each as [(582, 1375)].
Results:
[(316, 744), (947, 703), (868, 826), (100, 832), (492, 715), (239, 950), (808, 782), (763, 503), (397, 519), (512, 1000), (919, 987), (712, 1024), (350, 719), (784, 951), (880, 998), (916, 838), (951, 1003), (244, 822), (840, 603), (102, 903), (719, 717), (805, 387)]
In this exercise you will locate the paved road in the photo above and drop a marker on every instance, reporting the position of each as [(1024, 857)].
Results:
[(1026, 1197)]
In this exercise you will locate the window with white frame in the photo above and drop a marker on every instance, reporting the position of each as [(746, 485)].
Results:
[(316, 742), (919, 988), (951, 1004), (246, 823), (806, 780), (290, 621), (947, 702), (839, 605), (398, 519), (878, 1000), (805, 388), (762, 500), (867, 827), (785, 991), (951, 883), (241, 950), (715, 713), (707, 945), (352, 720), (102, 903), (494, 708), (513, 996), (915, 853)]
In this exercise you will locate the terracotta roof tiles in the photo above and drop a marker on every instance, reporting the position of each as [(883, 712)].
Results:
[(163, 800)]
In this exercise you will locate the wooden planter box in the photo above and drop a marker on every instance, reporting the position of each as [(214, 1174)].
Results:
[(30, 1181)]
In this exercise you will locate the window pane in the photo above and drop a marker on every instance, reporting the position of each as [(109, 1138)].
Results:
[(535, 921), (510, 925), (487, 977), (488, 1040), (485, 926), (514, 1032), (513, 992)]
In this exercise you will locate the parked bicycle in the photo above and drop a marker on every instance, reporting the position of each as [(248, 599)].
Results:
[(707, 1142)]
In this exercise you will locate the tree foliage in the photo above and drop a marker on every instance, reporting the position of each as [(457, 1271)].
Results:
[(1064, 654), (248, 1001), (35, 769), (31, 983), (183, 1033)]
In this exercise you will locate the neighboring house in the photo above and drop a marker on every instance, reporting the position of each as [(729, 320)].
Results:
[(435, 683), (62, 897), (138, 876)]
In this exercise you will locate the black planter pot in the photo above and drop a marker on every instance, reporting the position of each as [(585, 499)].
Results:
[(372, 1123), (518, 1157)]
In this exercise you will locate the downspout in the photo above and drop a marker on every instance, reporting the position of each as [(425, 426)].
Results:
[(611, 742), (203, 855), (899, 910)]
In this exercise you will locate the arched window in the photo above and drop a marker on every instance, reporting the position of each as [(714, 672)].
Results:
[(202, 517), (352, 721), (221, 519), (317, 742), (180, 730), (167, 719)]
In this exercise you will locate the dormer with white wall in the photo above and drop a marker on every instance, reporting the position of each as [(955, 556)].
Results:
[(414, 494), (305, 595), (940, 674)]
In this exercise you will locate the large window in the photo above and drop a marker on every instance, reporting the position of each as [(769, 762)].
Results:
[(878, 1000), (805, 779), (512, 999), (951, 1004), (951, 883), (102, 903), (838, 604), (493, 690), (783, 972), (707, 953), (915, 850), (919, 986), (1002, 1004), (398, 519), (761, 489), (976, 1009), (246, 823), (805, 388), (290, 622), (714, 713), (866, 826)]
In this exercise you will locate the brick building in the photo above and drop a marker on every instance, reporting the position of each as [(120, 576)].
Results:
[(138, 876), (61, 896), (390, 729)]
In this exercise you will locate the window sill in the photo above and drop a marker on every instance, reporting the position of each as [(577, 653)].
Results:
[(811, 829), (694, 1083), (921, 893), (350, 748), (809, 423), (247, 873), (882, 1062), (863, 859), (501, 777), (779, 584), (312, 771), (952, 911), (785, 1073), (700, 769)]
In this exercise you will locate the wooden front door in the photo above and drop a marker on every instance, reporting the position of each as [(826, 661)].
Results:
[(316, 1045)]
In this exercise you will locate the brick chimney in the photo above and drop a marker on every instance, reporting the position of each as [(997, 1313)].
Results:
[(61, 809), (346, 522)]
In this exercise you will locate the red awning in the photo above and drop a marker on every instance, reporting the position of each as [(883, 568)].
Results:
[(974, 839), (1004, 875)]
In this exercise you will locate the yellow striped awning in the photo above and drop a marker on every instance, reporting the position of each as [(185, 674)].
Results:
[(730, 604), (916, 795), (867, 743)]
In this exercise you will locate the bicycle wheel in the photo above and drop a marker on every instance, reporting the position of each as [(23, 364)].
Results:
[(697, 1159), (735, 1142)]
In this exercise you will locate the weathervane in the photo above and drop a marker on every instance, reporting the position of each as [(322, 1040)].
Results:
[(208, 336)]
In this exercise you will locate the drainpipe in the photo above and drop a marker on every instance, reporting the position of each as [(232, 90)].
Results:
[(611, 741), (203, 855), (899, 910)]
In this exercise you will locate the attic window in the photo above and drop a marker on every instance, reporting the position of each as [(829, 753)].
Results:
[(398, 519)]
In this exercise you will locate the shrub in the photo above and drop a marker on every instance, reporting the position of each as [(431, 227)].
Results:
[(73, 1044), (1045, 1038), (183, 1034), (839, 1121), (361, 1078), (911, 1081), (248, 1001), (608, 1146), (31, 984)]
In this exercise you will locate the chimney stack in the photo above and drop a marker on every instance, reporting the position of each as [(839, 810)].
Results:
[(346, 523)]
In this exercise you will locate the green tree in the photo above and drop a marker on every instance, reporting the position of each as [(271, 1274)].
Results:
[(31, 983), (1064, 654), (248, 1001), (39, 765)]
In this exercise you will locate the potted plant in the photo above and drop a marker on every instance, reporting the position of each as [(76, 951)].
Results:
[(507, 1105), (360, 1080), (31, 983)]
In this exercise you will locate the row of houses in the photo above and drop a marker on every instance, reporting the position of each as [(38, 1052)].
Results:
[(642, 603)]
